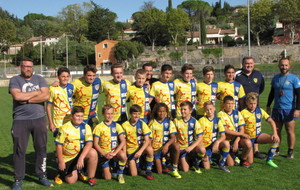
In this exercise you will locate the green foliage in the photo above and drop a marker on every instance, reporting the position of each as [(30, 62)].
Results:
[(160, 52), (176, 55), (217, 52), (7, 32), (101, 23), (126, 50)]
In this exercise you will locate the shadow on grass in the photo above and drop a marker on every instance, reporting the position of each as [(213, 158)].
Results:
[(7, 170)]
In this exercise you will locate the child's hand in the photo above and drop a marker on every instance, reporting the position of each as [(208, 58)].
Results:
[(55, 84), (51, 127), (296, 113), (215, 147), (80, 163), (235, 147), (275, 139), (61, 166), (137, 154), (188, 149), (245, 136), (165, 150)]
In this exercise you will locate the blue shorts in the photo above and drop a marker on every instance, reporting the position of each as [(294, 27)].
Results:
[(283, 116), (183, 154), (209, 150), (131, 156), (158, 155), (103, 162)]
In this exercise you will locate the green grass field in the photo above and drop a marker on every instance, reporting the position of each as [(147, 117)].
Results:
[(260, 177)]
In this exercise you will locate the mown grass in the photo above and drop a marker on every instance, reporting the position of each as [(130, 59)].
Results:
[(260, 177)]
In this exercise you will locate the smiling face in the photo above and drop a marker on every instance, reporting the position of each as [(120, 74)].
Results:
[(63, 78), (186, 112), (27, 69), (140, 79), (89, 77), (135, 116), (187, 75), (248, 65), (77, 118), (117, 74), (210, 110), (149, 71), (284, 66), (108, 115), (209, 76), (229, 75), (161, 113), (166, 75)]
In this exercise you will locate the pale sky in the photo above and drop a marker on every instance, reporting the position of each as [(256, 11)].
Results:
[(123, 8)]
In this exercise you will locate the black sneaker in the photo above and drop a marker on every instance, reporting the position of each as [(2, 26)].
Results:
[(141, 172), (290, 155), (259, 155), (92, 182), (17, 185)]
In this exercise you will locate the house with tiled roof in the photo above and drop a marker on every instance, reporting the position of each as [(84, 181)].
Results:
[(104, 53)]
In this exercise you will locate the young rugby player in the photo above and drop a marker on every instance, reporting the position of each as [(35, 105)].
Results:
[(138, 93), (163, 90), (74, 144), (115, 91), (213, 125), (109, 141), (189, 137), (234, 125), (206, 90), (185, 88), (163, 138), (253, 117), (138, 142)]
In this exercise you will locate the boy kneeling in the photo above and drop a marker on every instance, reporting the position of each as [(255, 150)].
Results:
[(74, 144)]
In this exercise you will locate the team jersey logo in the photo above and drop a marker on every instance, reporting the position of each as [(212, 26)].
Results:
[(97, 87), (236, 117), (114, 130), (139, 131), (166, 124), (237, 89), (192, 124), (193, 84), (123, 86), (255, 80), (287, 82), (214, 90), (171, 85), (258, 115), (83, 131), (70, 91)]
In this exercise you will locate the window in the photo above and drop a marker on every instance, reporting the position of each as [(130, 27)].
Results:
[(99, 55), (105, 46)]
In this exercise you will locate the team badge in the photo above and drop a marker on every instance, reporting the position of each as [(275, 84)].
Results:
[(192, 124), (258, 115), (139, 131), (83, 131), (114, 130), (255, 80), (287, 82), (236, 116), (193, 84), (70, 91), (123, 86), (97, 86), (214, 90), (166, 124), (171, 85), (237, 89)]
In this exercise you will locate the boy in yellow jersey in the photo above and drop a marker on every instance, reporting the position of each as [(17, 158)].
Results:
[(74, 147), (163, 139), (138, 93), (253, 116), (116, 92), (86, 91), (185, 88), (138, 142), (234, 125), (213, 125), (189, 137), (229, 87), (59, 105), (109, 141), (206, 90), (163, 90)]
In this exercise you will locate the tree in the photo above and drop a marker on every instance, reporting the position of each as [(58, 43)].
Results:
[(262, 18), (198, 11), (101, 23), (126, 50), (288, 12), (170, 6), (75, 21), (7, 33), (150, 24), (147, 5), (177, 23)]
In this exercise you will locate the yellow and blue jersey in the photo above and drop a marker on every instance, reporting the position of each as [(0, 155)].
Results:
[(108, 135), (205, 92), (62, 103), (165, 92), (73, 139), (253, 121), (184, 91), (140, 96), (135, 135), (234, 89), (211, 128), (86, 96), (231, 121), (116, 95), (187, 132), (161, 132)]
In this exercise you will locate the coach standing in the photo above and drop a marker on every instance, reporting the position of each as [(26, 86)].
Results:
[(29, 93), (252, 81), (285, 90)]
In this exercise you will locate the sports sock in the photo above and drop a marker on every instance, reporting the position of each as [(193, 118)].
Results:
[(121, 167), (224, 154), (175, 167), (272, 151), (199, 159), (149, 162)]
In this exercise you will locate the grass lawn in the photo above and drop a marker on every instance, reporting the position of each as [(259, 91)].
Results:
[(260, 177)]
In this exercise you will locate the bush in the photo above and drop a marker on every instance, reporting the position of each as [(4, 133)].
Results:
[(176, 55), (216, 52)]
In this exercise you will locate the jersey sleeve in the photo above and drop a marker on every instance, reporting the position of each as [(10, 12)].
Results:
[(296, 82), (50, 100), (221, 126), (176, 86), (153, 90), (172, 128), (146, 130), (96, 132), (198, 129), (264, 114), (241, 92), (241, 121), (88, 134), (60, 138), (119, 129)]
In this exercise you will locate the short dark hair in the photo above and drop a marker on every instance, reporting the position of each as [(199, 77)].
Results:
[(62, 69), (135, 108), (148, 64), (228, 98), (154, 113), (285, 58), (114, 66), (187, 103), (228, 67), (89, 68), (106, 107), (247, 57), (166, 67), (26, 59), (186, 67), (207, 69), (77, 109)]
